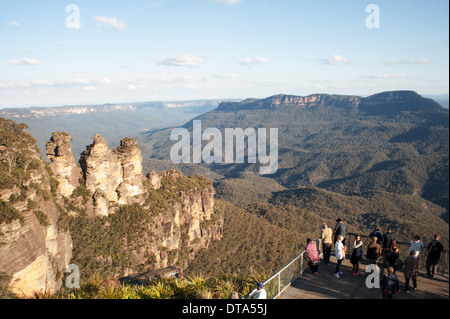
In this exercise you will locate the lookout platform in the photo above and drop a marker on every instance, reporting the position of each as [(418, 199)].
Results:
[(326, 286)]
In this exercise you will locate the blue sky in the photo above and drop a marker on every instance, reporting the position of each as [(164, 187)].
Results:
[(131, 51)]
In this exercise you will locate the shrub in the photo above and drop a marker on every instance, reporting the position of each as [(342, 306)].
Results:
[(8, 213)]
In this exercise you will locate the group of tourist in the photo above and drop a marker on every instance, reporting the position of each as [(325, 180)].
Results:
[(382, 247)]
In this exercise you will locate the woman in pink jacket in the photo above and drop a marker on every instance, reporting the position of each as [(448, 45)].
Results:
[(313, 256)]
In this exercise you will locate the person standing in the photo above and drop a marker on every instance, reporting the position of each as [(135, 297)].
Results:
[(260, 292), (393, 257), (356, 254), (313, 256), (386, 245), (411, 270), (390, 284), (340, 230), (327, 243), (340, 255), (373, 251), (416, 245), (376, 233), (434, 254)]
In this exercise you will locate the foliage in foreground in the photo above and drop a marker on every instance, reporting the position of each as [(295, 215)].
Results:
[(195, 287)]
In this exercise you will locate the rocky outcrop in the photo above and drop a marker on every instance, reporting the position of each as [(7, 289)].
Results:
[(34, 252), (67, 171), (188, 225), (158, 220), (102, 169), (182, 208), (113, 176), (154, 179), (131, 188)]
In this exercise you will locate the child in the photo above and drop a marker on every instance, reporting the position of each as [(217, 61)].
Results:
[(390, 284)]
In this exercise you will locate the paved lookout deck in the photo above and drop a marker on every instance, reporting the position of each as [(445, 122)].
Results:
[(326, 286)]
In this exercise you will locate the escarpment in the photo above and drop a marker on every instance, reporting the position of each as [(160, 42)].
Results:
[(34, 251), (102, 214)]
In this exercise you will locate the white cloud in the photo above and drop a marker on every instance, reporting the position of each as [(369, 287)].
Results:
[(24, 61), (228, 2), (384, 76), (84, 83), (336, 59), (408, 61), (14, 24), (180, 59), (131, 87), (7, 85), (126, 66), (249, 60), (89, 88), (229, 76), (389, 76), (109, 23)]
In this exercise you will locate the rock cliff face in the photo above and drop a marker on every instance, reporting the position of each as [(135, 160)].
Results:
[(138, 222), (282, 100), (34, 252), (186, 225)]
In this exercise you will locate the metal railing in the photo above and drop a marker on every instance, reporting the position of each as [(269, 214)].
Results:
[(279, 282)]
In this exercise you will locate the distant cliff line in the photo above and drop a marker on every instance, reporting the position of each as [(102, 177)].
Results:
[(68, 110)]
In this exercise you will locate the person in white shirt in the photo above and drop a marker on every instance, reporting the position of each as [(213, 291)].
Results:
[(416, 245), (340, 255), (260, 292)]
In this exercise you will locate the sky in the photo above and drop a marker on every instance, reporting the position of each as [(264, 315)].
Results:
[(56, 52)]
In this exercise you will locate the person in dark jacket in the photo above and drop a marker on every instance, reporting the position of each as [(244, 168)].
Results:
[(434, 254), (356, 254), (389, 284), (386, 244), (376, 233), (411, 271), (393, 257), (340, 230)]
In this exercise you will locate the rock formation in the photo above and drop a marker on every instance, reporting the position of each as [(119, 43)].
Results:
[(167, 217), (63, 164), (34, 252), (113, 176), (103, 174), (188, 225), (131, 187)]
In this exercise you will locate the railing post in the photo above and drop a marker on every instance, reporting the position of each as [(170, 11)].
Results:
[(279, 284), (301, 265), (444, 268)]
